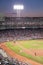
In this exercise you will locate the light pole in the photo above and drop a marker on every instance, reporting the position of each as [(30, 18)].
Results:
[(18, 9)]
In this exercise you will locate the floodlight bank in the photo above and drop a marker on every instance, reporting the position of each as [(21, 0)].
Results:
[(18, 7)]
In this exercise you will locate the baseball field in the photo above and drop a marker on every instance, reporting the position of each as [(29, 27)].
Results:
[(26, 50)]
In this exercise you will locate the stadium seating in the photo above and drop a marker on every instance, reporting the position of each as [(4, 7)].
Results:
[(11, 61), (12, 22), (21, 34)]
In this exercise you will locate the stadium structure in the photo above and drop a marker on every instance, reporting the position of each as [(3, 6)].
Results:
[(20, 29)]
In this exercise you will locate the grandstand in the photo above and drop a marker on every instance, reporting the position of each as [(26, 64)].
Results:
[(16, 22), (23, 28), (7, 60)]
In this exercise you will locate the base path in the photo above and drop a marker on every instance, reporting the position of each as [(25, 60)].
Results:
[(14, 55)]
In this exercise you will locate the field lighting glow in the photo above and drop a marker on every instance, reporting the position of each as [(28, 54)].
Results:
[(18, 7)]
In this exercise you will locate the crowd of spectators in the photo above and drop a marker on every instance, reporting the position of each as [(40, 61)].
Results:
[(11, 61), (21, 34)]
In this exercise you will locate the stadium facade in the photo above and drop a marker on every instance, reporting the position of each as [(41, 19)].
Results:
[(22, 22)]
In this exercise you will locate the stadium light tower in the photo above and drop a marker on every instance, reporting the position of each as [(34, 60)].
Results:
[(18, 9)]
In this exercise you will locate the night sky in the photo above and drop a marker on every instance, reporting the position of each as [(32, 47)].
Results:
[(31, 7)]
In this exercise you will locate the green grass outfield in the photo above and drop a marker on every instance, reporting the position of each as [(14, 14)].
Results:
[(34, 44)]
